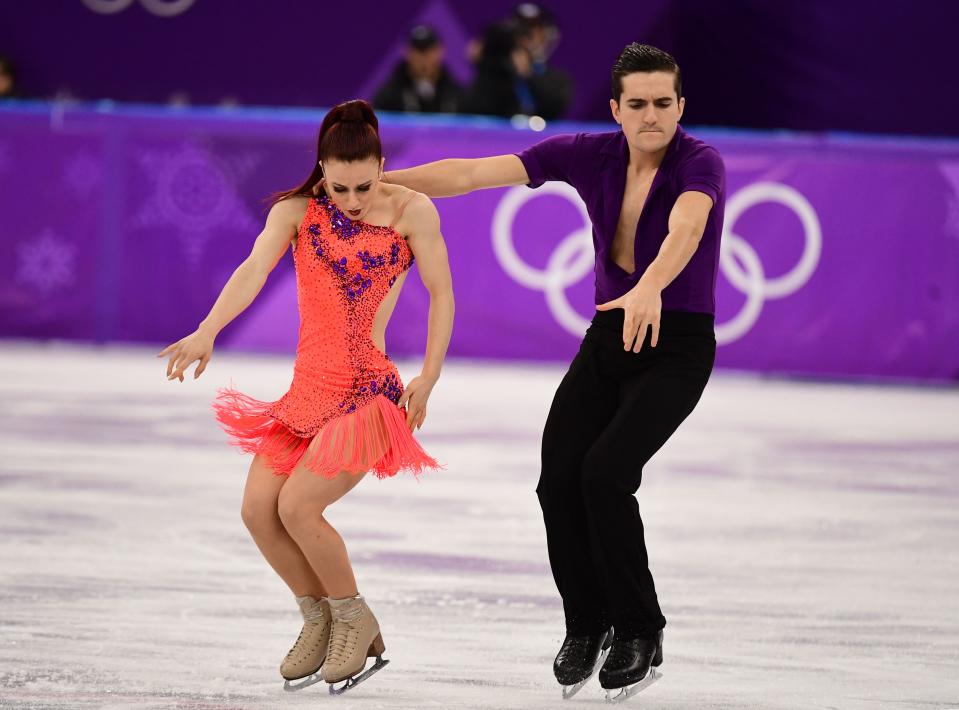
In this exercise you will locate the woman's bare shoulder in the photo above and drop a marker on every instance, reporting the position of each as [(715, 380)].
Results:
[(419, 215), (288, 214), (292, 208), (397, 195)]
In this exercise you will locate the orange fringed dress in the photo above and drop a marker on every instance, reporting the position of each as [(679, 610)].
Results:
[(340, 413)]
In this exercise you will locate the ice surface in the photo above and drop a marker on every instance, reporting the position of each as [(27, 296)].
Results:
[(803, 538)]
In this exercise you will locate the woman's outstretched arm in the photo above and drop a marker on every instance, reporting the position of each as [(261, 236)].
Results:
[(458, 176), (426, 242), (240, 290)]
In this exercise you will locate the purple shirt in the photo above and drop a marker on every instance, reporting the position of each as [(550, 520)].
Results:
[(595, 164)]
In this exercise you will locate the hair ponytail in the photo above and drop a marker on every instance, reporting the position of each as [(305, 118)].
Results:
[(349, 132)]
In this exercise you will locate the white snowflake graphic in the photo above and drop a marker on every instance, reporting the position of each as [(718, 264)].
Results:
[(194, 193), (47, 263)]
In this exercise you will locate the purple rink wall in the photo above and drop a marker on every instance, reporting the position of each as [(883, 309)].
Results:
[(121, 224)]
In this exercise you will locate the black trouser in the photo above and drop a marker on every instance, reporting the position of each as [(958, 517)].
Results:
[(613, 410)]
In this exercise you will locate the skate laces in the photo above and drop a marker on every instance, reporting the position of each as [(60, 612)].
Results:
[(296, 646), (344, 632), (312, 619)]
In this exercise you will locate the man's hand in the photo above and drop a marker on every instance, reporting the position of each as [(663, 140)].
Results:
[(643, 305)]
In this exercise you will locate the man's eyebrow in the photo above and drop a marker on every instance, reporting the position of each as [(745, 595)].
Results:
[(658, 98)]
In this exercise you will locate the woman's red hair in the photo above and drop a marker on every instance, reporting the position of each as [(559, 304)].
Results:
[(349, 132)]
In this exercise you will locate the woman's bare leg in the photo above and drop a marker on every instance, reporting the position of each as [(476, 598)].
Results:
[(260, 514), (303, 499)]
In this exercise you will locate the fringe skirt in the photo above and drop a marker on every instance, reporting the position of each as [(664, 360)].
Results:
[(374, 438)]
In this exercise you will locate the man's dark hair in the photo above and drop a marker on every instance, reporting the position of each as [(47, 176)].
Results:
[(423, 37), (644, 58)]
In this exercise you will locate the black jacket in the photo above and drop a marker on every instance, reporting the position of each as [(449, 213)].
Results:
[(399, 94), (494, 92)]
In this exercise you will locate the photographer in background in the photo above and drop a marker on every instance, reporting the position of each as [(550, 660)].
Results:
[(420, 82)]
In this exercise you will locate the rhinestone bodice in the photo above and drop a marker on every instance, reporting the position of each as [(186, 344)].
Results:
[(344, 271)]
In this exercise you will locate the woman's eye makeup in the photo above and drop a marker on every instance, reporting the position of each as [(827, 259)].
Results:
[(365, 188)]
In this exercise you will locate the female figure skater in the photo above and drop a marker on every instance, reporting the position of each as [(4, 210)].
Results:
[(354, 239)]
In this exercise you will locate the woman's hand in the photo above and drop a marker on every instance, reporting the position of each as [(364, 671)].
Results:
[(414, 398), (196, 346)]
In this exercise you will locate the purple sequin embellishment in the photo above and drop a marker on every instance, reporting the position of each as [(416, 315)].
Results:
[(357, 286), (369, 261), (344, 227), (354, 284), (391, 388)]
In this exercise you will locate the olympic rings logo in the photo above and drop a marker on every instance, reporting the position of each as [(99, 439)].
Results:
[(752, 281), (160, 8), (573, 258)]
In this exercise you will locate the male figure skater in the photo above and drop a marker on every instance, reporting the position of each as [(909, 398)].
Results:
[(655, 196)]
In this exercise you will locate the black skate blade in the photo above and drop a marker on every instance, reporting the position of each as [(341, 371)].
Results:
[(304, 682), (623, 694), (351, 683), (571, 690)]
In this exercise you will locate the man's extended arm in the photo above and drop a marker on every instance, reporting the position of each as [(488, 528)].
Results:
[(687, 221), (458, 176)]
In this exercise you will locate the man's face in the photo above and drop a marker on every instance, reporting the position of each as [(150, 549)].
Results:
[(352, 186), (425, 63), (648, 110)]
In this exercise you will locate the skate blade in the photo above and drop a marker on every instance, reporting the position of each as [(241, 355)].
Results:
[(351, 683), (571, 690), (623, 694), (305, 682)]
